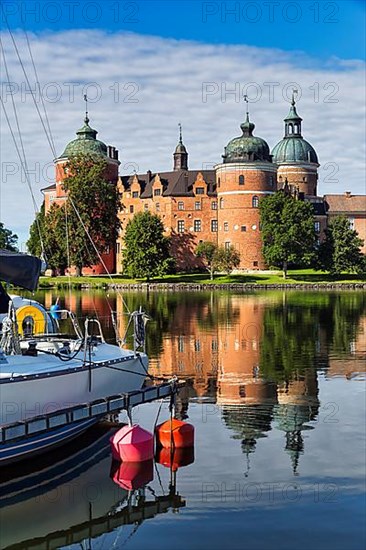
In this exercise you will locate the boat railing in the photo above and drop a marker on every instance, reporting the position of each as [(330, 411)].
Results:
[(64, 314)]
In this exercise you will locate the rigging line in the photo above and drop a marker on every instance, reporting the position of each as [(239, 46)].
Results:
[(41, 95), (25, 167), (68, 251), (29, 86), (25, 171), (97, 251)]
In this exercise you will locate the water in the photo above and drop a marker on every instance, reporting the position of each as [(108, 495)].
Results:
[(276, 392)]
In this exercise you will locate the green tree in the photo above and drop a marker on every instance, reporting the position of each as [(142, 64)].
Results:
[(56, 239), (226, 259), (341, 249), (288, 232), (207, 251), (52, 229), (146, 252), (37, 230), (97, 204), (8, 239)]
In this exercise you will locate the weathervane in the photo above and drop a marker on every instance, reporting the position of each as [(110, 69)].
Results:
[(294, 92), (86, 108), (180, 132), (247, 102)]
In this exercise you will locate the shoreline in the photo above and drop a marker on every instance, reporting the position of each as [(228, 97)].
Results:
[(193, 287)]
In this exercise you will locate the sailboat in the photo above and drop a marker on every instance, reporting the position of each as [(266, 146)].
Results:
[(43, 370)]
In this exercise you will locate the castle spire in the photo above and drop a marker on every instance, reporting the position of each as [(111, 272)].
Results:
[(86, 119), (180, 154), (293, 120)]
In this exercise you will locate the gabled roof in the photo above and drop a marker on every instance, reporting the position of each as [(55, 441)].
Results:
[(345, 203), (177, 183), (51, 187)]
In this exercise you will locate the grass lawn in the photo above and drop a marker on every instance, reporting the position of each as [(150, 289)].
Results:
[(294, 277)]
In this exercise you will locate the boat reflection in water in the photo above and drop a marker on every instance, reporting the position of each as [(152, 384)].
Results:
[(77, 494)]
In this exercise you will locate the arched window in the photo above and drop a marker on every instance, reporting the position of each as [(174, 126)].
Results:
[(255, 201), (241, 180), (221, 203)]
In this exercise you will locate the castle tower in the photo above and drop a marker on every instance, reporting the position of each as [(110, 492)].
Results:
[(86, 144), (180, 154), (296, 159), (245, 176)]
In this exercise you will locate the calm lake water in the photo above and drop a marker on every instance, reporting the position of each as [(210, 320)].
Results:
[(276, 392)]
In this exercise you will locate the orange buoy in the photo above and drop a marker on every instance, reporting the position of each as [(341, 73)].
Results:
[(132, 475), (132, 444), (175, 433), (175, 458)]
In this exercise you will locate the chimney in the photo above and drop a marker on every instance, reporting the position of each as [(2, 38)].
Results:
[(116, 154), (149, 174)]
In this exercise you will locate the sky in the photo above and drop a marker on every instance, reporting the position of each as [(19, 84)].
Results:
[(148, 65)]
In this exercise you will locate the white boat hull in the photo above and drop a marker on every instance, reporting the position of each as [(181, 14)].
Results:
[(45, 391)]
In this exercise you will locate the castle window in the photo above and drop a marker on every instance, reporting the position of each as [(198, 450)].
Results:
[(317, 226), (131, 209), (243, 228), (180, 226), (221, 203), (146, 207), (197, 345), (180, 205), (351, 223), (135, 194), (218, 182), (157, 192), (241, 180), (226, 226), (271, 181), (118, 248), (255, 201), (157, 206), (197, 226), (181, 344), (255, 264), (214, 205), (227, 245), (200, 190), (214, 226), (197, 205)]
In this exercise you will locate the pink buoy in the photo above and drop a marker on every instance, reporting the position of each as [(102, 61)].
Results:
[(132, 444)]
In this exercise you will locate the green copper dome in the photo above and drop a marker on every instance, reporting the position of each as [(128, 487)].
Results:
[(247, 148), (85, 144), (293, 147)]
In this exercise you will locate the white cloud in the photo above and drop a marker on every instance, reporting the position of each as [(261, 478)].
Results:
[(167, 78)]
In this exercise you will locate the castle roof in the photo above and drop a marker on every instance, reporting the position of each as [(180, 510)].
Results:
[(247, 148), (177, 183), (346, 203), (85, 144), (293, 147)]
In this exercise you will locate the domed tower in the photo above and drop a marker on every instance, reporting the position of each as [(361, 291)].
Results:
[(180, 154), (87, 143), (245, 176), (296, 159)]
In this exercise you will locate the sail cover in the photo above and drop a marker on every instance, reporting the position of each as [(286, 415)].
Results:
[(19, 269)]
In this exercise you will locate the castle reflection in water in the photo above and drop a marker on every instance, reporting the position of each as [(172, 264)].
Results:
[(257, 356)]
